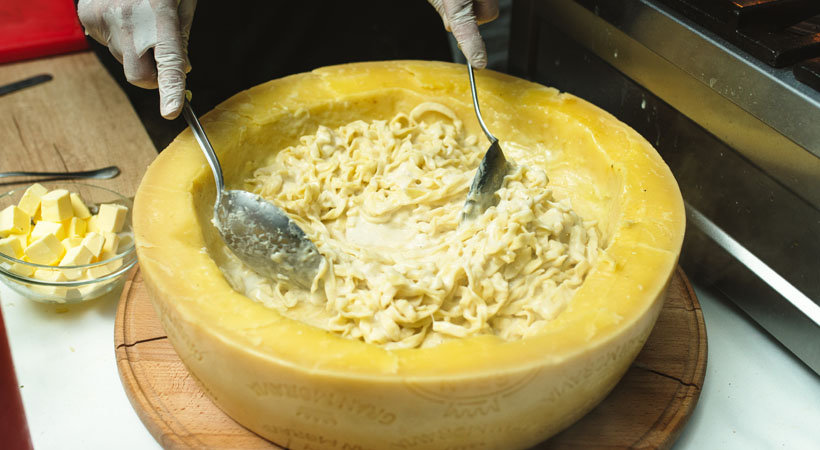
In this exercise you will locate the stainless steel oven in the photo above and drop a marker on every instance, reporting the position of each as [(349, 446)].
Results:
[(729, 94)]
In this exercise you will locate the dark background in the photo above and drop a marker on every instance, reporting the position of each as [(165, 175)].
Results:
[(236, 45)]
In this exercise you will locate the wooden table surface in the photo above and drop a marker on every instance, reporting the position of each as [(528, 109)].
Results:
[(80, 120)]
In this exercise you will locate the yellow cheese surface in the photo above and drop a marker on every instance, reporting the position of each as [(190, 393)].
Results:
[(305, 388)]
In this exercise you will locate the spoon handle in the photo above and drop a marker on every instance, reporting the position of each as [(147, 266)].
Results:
[(100, 174), (205, 145), (475, 104)]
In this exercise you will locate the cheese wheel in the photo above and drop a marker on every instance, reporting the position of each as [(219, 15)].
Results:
[(303, 387)]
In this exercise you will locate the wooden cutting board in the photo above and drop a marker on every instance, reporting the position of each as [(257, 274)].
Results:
[(647, 409)]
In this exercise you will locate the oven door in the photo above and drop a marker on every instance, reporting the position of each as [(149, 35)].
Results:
[(742, 138)]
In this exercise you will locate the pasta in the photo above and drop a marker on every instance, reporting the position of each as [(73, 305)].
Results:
[(381, 200)]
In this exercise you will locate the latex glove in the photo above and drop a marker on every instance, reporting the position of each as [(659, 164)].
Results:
[(131, 28), (462, 18)]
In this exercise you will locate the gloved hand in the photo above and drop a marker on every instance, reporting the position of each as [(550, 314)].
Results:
[(462, 18), (130, 28)]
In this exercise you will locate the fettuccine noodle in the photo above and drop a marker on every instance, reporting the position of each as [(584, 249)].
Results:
[(382, 199)]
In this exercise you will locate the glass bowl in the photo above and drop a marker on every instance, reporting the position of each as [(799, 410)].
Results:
[(15, 272)]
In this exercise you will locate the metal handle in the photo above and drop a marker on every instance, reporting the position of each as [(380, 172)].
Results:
[(206, 147), (100, 174), (475, 105)]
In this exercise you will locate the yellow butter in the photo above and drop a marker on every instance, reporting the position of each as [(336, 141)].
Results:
[(98, 271), (77, 227), (126, 241), (22, 269), (94, 242), (55, 206), (79, 207), (111, 244), (76, 256), (49, 275), (44, 227), (111, 217), (23, 238), (11, 247), (30, 201), (14, 220), (93, 224), (71, 241), (46, 250)]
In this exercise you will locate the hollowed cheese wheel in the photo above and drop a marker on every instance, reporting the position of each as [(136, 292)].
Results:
[(303, 387)]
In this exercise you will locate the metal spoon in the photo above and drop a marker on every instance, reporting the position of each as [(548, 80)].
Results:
[(491, 171), (100, 174), (258, 232)]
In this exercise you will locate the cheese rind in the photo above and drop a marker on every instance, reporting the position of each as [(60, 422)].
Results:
[(534, 387), (55, 206), (14, 220)]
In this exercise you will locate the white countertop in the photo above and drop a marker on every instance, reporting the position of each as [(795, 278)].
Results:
[(756, 393)]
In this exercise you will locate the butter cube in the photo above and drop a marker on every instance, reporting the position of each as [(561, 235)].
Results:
[(30, 201), (71, 242), (79, 207), (76, 256), (102, 270), (49, 275), (45, 227), (77, 227), (98, 271), (23, 238), (126, 241), (46, 250), (55, 206), (93, 224), (14, 220), (112, 242), (111, 217), (22, 269), (94, 242), (11, 247)]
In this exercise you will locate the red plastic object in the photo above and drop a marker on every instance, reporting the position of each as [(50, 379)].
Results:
[(13, 425), (35, 28)]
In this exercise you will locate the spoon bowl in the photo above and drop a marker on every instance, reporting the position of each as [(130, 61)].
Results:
[(491, 171), (258, 232)]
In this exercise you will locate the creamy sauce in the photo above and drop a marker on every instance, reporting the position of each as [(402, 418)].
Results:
[(381, 200)]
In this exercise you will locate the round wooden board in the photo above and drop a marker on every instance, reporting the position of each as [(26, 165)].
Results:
[(647, 409)]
